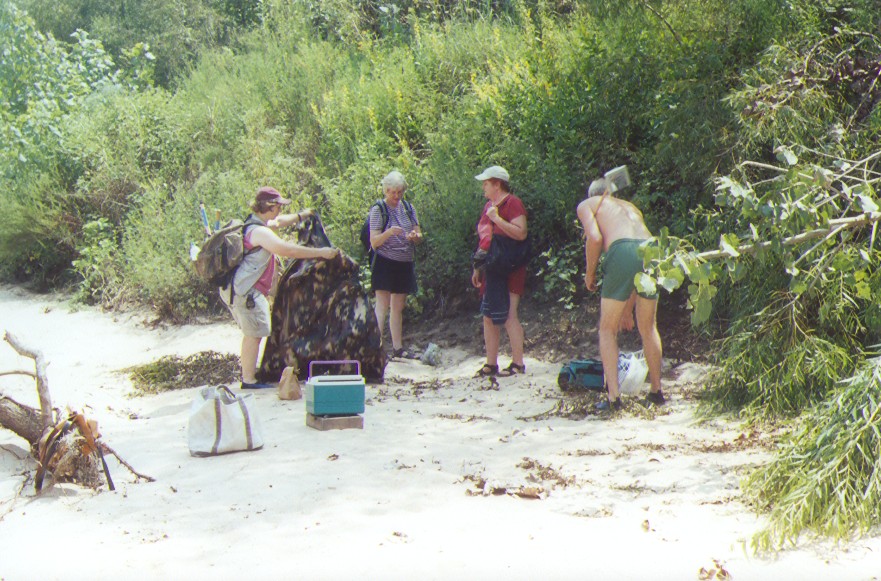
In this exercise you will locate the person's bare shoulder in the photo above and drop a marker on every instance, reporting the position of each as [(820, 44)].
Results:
[(586, 206)]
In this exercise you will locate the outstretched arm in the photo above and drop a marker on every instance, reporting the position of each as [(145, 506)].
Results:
[(266, 238), (288, 220)]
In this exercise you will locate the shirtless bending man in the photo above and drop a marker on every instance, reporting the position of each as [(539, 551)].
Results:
[(616, 228)]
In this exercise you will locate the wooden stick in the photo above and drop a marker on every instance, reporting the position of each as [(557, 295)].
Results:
[(30, 373), (110, 450), (46, 415)]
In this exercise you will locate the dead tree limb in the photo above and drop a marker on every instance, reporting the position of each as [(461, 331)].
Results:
[(68, 449), (23, 420), (107, 449), (46, 415), (21, 372)]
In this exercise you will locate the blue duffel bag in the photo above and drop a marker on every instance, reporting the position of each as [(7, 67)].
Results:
[(582, 374)]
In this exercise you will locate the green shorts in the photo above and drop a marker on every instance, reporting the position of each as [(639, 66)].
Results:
[(621, 264)]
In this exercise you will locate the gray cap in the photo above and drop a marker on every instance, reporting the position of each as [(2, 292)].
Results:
[(495, 171)]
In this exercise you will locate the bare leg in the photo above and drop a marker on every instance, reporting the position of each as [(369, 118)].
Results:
[(611, 312), (646, 320), (514, 329), (491, 338), (383, 298), (248, 360), (396, 319), (627, 316)]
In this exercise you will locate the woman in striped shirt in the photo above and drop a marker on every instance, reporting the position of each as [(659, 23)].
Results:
[(394, 234)]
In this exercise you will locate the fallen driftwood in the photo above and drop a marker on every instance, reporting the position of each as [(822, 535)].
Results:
[(66, 446)]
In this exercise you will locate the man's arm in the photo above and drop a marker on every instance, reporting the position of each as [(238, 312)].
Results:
[(515, 229), (266, 238), (593, 243)]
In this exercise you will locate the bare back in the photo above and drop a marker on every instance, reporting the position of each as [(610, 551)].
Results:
[(616, 219)]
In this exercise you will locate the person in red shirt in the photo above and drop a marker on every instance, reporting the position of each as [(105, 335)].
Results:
[(503, 215)]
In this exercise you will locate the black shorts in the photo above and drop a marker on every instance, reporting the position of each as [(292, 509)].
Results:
[(393, 276)]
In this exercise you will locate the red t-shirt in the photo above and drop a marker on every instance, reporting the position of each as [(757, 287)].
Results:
[(510, 208)]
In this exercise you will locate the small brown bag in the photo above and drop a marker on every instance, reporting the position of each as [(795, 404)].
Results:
[(289, 385)]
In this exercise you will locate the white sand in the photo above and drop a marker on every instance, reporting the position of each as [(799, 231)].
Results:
[(633, 498)]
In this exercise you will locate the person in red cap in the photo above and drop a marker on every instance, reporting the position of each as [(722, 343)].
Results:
[(254, 277)]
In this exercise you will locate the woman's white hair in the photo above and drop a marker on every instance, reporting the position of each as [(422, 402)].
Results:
[(394, 179)]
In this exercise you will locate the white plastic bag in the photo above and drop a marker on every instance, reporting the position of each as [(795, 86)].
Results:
[(221, 422), (632, 370)]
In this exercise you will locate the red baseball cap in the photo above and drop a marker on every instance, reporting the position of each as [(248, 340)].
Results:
[(267, 194)]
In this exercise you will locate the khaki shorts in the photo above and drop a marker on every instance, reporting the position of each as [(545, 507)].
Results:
[(253, 321), (621, 264)]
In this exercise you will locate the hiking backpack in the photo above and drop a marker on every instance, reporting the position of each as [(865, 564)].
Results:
[(223, 251), (383, 210)]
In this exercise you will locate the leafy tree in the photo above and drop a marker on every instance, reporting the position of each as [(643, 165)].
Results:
[(176, 31), (41, 82)]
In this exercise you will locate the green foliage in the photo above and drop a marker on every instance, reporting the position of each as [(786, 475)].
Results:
[(177, 31), (323, 100), (41, 84), (774, 364), (172, 372), (825, 478), (98, 262), (561, 272), (155, 248)]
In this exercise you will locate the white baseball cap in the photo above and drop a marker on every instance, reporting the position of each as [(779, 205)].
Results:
[(495, 171)]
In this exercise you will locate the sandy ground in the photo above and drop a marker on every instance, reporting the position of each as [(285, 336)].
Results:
[(428, 489)]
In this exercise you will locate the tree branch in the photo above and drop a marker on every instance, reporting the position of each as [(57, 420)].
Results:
[(834, 227), (662, 19), (30, 373), (46, 416), (110, 450)]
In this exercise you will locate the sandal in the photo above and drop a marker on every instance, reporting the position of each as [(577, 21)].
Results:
[(513, 369), (487, 370), (405, 353)]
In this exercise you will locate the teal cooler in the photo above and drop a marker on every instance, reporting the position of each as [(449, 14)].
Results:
[(335, 395)]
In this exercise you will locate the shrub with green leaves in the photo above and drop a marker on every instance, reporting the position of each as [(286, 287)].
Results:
[(775, 364), (825, 479)]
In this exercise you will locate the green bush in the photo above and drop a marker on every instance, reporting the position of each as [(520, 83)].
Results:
[(825, 478)]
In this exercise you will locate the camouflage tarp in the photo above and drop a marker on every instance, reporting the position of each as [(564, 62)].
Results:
[(321, 313)]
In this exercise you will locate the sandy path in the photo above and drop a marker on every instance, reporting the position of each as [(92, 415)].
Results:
[(634, 498)]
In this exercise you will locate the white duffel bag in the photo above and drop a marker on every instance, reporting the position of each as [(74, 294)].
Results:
[(222, 422)]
